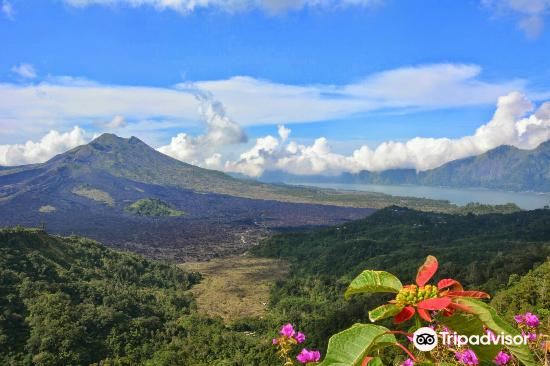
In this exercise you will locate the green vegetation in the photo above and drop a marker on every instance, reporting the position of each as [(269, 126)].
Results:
[(441, 304), (477, 208), (481, 250), (94, 194), (70, 301), (152, 207), (526, 293)]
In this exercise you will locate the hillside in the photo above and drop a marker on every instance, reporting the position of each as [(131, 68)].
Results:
[(72, 301), (481, 251), (132, 159), (504, 168), (526, 293), (90, 191)]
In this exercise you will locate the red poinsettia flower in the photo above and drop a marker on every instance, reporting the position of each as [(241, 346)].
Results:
[(423, 297)]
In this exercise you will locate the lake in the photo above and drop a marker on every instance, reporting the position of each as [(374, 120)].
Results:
[(458, 196)]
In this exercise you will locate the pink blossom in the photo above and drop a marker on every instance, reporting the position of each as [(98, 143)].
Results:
[(408, 362), (530, 336), (467, 357), (300, 337), (502, 358), (531, 320), (274, 341), (287, 330), (307, 356), (518, 318)]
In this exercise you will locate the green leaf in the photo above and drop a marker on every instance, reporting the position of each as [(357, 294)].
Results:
[(377, 361), (373, 281), (351, 346), (384, 311), (488, 316), (467, 324)]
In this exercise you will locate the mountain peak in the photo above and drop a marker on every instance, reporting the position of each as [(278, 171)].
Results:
[(108, 137), (109, 141), (111, 138)]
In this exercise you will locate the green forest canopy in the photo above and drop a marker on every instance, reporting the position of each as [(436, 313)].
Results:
[(72, 301)]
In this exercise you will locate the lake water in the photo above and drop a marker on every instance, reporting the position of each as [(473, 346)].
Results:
[(458, 196)]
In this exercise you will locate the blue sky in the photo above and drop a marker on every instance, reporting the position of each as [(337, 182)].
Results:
[(347, 71)]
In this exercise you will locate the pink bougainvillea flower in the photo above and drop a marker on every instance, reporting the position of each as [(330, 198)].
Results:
[(531, 337), (287, 330), (307, 356), (502, 358), (519, 318), (424, 298), (531, 320), (300, 337), (408, 362), (467, 357)]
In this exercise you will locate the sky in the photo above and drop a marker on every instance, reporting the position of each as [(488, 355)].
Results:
[(302, 86)]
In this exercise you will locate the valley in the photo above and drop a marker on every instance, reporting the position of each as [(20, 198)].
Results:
[(236, 287)]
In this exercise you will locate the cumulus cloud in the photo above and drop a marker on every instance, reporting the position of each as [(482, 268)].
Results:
[(220, 131), (515, 122), (116, 122), (510, 125), (530, 13), (231, 6), (60, 102), (7, 9), (25, 71), (51, 144)]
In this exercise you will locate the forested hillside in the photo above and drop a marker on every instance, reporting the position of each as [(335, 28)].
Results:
[(482, 251), (71, 301)]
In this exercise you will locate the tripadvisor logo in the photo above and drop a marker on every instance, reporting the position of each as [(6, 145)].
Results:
[(426, 339), (484, 340)]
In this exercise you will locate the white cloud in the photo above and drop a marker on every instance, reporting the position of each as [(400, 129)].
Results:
[(35, 109), (115, 123), (531, 13), (220, 131), (256, 101), (509, 126), (61, 102), (25, 71), (51, 144), (515, 122), (7, 9), (231, 6)]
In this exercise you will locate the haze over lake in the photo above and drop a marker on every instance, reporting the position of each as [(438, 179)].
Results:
[(458, 196)]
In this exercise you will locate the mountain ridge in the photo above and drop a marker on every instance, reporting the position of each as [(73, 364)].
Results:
[(504, 167)]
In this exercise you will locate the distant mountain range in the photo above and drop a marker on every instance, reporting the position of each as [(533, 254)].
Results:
[(504, 168)]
